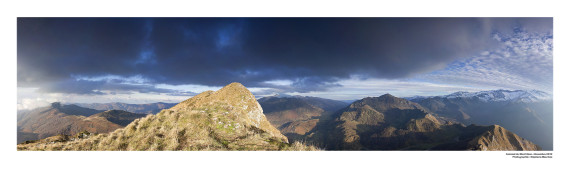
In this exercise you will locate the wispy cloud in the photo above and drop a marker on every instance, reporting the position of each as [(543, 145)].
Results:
[(522, 61)]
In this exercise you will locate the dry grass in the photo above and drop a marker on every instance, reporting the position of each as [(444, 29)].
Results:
[(301, 146), (229, 119)]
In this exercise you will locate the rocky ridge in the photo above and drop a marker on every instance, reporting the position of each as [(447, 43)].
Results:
[(227, 119), (391, 123)]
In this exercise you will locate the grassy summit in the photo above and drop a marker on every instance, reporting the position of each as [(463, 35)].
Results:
[(228, 119)]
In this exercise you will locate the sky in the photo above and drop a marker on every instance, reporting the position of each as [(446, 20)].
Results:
[(146, 60)]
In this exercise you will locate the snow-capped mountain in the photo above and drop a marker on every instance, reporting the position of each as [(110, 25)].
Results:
[(497, 95)]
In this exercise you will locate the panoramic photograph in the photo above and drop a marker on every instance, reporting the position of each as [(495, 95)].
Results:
[(284, 84)]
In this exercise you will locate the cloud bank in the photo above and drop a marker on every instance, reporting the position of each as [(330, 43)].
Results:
[(179, 57), (522, 61), (215, 51)]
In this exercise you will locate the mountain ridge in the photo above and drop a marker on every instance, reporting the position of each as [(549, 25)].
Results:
[(532, 120), (148, 108), (68, 120), (227, 119), (391, 123), (499, 95)]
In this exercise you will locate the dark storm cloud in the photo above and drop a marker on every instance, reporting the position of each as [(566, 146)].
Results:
[(54, 49), (73, 87), (312, 52)]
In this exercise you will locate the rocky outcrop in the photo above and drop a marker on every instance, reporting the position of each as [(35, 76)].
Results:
[(499, 138)]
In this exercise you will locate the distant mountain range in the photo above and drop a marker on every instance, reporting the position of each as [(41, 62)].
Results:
[(391, 123), (524, 96), (150, 108), (232, 119), (69, 120), (527, 113)]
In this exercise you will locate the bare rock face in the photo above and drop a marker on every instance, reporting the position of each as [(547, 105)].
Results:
[(227, 119), (500, 139)]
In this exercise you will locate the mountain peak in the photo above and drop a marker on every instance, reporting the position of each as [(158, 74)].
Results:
[(56, 105), (235, 90), (234, 97), (72, 109), (387, 98), (391, 123), (227, 119), (388, 95), (234, 94), (502, 95), (386, 102), (235, 86), (499, 138)]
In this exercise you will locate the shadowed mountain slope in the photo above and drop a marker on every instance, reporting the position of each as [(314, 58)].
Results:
[(69, 120), (391, 123), (296, 115), (527, 113)]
